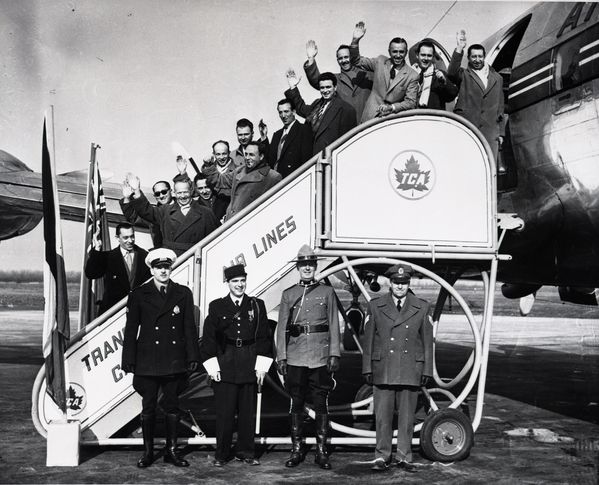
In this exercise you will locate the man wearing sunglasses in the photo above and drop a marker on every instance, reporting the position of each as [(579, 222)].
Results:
[(397, 359), (160, 346)]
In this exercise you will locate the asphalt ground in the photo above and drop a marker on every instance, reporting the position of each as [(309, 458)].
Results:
[(540, 420)]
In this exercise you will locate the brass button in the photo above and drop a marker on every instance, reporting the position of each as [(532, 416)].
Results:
[(157, 342)]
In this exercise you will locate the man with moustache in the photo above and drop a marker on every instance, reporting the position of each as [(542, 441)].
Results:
[(395, 84), (308, 351), (291, 146), (435, 87), (353, 84)]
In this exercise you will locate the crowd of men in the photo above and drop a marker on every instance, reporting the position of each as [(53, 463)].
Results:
[(160, 342)]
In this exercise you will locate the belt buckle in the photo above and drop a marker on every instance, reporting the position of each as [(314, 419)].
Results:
[(238, 342), (306, 329)]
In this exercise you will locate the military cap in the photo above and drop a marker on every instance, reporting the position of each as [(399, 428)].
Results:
[(234, 272), (400, 272), (305, 253), (160, 256)]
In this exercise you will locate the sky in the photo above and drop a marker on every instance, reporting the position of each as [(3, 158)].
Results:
[(134, 76)]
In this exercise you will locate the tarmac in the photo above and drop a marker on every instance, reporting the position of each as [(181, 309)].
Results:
[(540, 418)]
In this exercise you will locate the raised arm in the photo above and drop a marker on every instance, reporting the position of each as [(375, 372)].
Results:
[(310, 66), (454, 70), (354, 49), (294, 95), (140, 203)]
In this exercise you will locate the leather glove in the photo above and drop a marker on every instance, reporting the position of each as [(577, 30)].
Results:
[(368, 378), (333, 364), (282, 367), (129, 368), (192, 366), (425, 381)]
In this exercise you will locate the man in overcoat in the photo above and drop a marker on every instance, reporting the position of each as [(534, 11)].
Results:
[(160, 346), (236, 352), (122, 268), (395, 85), (308, 352), (480, 100), (397, 359)]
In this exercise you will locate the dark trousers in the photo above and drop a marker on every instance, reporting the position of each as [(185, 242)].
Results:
[(221, 202), (301, 380), (386, 400), (147, 387), (229, 399)]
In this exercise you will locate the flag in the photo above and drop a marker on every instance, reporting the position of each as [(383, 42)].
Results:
[(56, 330), (96, 226)]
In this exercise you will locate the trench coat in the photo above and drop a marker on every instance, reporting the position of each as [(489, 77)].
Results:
[(248, 186)]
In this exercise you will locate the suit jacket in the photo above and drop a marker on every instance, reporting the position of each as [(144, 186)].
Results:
[(227, 321), (401, 92), (483, 107), (318, 307), (180, 232), (353, 86), (337, 120), (112, 266), (398, 345), (296, 150), (132, 217), (248, 186), (168, 338), (440, 93)]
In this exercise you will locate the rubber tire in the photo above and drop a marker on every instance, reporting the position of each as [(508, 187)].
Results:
[(439, 418)]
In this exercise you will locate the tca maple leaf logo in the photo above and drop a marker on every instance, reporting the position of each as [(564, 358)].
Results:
[(411, 177), (74, 401)]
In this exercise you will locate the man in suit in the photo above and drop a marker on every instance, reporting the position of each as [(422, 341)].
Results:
[(395, 85), (160, 346), (329, 117), (123, 268), (308, 352), (219, 169), (163, 195), (236, 351), (291, 146), (182, 224), (480, 99), (397, 359), (251, 180), (435, 87), (353, 84)]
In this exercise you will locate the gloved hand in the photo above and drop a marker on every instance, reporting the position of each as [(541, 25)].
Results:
[(368, 378), (260, 377), (129, 368), (425, 381), (282, 367), (192, 366), (215, 377), (333, 364)]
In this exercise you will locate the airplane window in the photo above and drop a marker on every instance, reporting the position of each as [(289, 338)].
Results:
[(566, 63)]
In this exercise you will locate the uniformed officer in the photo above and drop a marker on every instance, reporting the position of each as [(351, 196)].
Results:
[(308, 352), (236, 350), (165, 349), (397, 359)]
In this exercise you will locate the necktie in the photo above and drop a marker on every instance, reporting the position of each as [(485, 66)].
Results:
[(163, 291), (280, 147), (321, 110), (129, 260), (237, 303), (398, 305), (392, 73)]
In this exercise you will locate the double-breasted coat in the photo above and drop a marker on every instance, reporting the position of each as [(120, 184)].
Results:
[(247, 186), (226, 322), (168, 338), (338, 118), (398, 345), (483, 107), (117, 280), (296, 150), (179, 231), (313, 304), (401, 92)]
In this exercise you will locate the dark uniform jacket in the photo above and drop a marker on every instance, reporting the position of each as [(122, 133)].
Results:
[(179, 232), (112, 266), (337, 120), (319, 307), (168, 338), (296, 150), (398, 346), (227, 321)]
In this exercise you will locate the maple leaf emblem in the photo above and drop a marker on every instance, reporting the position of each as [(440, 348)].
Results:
[(411, 177), (73, 400)]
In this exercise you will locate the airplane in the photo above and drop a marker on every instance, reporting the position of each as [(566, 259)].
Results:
[(549, 59)]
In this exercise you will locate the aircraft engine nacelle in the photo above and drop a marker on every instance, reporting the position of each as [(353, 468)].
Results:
[(582, 296)]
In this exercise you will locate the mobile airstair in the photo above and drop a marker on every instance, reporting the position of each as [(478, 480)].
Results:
[(417, 187)]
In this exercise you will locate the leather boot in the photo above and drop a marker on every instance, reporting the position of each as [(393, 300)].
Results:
[(170, 451), (322, 430), (297, 455), (148, 422)]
